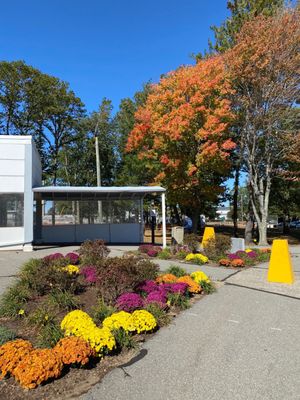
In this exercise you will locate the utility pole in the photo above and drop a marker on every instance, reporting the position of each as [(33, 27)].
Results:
[(98, 169)]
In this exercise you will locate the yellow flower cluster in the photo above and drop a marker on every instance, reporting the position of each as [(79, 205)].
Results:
[(196, 257), (143, 321), (199, 276), (139, 321), (119, 320), (80, 324), (248, 250), (71, 269)]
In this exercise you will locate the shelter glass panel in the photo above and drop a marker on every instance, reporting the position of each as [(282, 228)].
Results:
[(11, 210)]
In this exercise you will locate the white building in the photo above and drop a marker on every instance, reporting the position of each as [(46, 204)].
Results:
[(30, 212), (20, 171)]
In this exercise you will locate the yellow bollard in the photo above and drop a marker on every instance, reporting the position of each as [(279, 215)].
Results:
[(280, 267), (209, 233)]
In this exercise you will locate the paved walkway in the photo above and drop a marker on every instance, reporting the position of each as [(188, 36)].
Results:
[(241, 343)]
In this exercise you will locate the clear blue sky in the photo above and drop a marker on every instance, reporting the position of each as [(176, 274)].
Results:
[(106, 49)]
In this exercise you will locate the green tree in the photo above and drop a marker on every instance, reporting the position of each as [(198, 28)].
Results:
[(241, 11), (78, 159), (131, 170), (37, 104)]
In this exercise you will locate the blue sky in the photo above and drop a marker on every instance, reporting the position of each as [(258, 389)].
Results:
[(107, 49)]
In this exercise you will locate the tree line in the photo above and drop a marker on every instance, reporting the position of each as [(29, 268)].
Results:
[(235, 110)]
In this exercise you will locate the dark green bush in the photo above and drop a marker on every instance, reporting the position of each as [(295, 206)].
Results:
[(161, 316), (62, 299), (217, 248), (208, 287), (14, 299), (123, 339), (165, 254), (120, 275), (43, 277), (6, 335), (176, 270), (93, 252), (102, 311), (178, 300)]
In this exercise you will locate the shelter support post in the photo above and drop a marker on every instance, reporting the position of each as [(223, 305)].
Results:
[(164, 229), (38, 220)]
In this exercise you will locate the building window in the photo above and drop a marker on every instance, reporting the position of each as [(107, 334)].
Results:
[(11, 210)]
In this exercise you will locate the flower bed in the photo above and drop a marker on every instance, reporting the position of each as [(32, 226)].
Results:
[(78, 309), (246, 258)]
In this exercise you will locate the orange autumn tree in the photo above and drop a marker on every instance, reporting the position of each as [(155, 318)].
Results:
[(182, 132), (264, 66)]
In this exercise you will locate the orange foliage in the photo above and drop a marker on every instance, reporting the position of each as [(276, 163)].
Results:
[(37, 367), (193, 287), (11, 354), (166, 278), (183, 127), (73, 350)]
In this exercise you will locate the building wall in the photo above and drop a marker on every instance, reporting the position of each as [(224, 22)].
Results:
[(111, 233), (19, 169)]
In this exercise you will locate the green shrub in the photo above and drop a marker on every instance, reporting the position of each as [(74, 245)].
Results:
[(42, 316), (41, 278), (6, 335), (208, 287), (102, 311), (49, 335), (263, 257), (217, 248), (176, 270), (63, 299), (120, 275), (161, 316), (178, 300), (192, 241), (165, 254), (14, 299), (123, 339), (93, 252)]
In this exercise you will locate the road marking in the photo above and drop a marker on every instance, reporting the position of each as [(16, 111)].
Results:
[(234, 321), (194, 315), (276, 329)]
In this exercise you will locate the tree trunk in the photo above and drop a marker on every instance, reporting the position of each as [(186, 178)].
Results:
[(249, 225), (195, 220), (235, 201)]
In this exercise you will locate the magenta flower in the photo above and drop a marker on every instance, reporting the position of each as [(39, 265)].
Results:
[(233, 256), (157, 297), (252, 254), (73, 257), (147, 286), (129, 302), (54, 256), (90, 273), (179, 287)]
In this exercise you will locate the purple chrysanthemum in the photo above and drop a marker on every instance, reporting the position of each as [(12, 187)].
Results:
[(252, 254), (73, 257), (129, 302), (179, 287), (54, 256), (233, 256), (90, 273), (147, 286), (157, 297)]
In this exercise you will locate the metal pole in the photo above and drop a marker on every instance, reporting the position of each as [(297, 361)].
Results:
[(98, 168), (164, 229)]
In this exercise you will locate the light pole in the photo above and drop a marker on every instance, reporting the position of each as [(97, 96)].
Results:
[(98, 169)]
